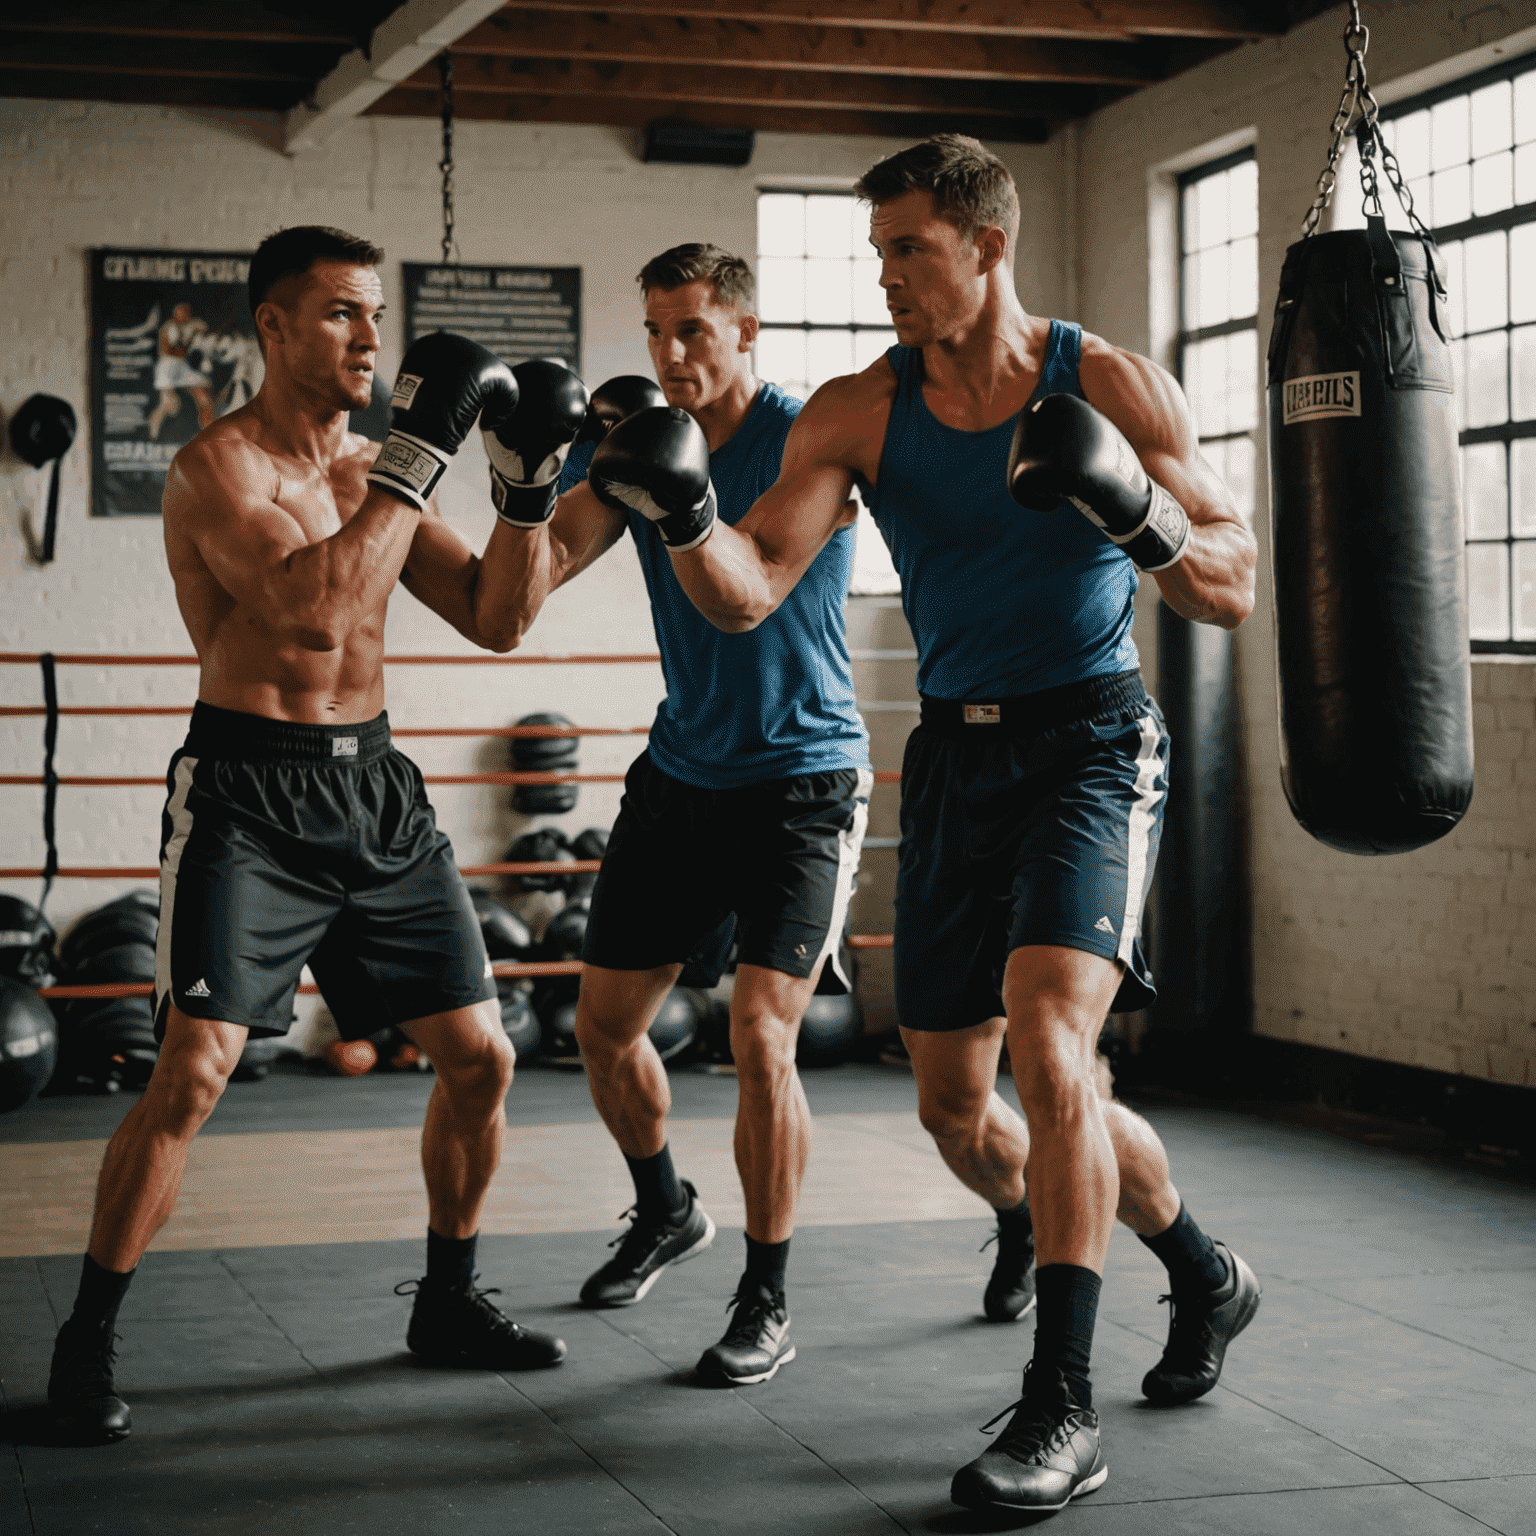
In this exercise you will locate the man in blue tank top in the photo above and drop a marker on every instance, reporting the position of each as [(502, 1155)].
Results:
[(746, 812), (1020, 472)]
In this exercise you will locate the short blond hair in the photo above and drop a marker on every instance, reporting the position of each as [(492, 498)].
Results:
[(971, 187), (730, 276)]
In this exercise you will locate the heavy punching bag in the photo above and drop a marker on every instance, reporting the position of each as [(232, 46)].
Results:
[(1369, 562)]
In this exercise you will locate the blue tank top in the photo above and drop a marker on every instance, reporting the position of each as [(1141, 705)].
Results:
[(777, 701), (1001, 600)]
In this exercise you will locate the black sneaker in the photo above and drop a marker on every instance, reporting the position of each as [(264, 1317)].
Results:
[(1199, 1331), (458, 1325), (1010, 1292), (645, 1250), (757, 1342), (1048, 1455), (86, 1407)]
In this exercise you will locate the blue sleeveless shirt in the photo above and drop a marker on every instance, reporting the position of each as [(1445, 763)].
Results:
[(773, 703), (1001, 600)]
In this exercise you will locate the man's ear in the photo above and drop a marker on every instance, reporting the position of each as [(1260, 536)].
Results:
[(749, 330), (270, 322), (991, 248)]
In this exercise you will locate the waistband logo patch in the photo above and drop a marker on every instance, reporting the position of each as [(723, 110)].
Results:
[(983, 714), (343, 746), (1321, 394)]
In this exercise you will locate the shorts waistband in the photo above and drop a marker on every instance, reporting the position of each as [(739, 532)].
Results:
[(1027, 714), (232, 734)]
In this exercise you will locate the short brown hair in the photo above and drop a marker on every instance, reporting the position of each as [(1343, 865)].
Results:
[(729, 275), (971, 187), (292, 252)]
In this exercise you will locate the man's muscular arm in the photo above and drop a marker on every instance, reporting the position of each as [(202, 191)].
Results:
[(221, 496), (1213, 582), (739, 575)]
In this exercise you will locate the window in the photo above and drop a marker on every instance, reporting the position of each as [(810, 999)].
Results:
[(823, 314), (1468, 153), (1218, 342)]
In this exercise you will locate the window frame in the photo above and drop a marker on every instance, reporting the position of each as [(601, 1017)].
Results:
[(1507, 219)]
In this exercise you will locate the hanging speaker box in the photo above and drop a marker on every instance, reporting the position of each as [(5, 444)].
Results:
[(689, 144)]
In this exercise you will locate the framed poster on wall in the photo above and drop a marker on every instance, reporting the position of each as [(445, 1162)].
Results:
[(518, 312), (173, 348)]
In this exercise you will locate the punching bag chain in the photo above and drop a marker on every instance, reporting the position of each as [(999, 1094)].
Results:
[(445, 165)]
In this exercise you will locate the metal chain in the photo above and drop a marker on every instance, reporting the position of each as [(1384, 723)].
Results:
[(445, 165)]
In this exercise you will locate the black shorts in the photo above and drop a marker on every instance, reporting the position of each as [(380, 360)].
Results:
[(1025, 821), (682, 862), (283, 844)]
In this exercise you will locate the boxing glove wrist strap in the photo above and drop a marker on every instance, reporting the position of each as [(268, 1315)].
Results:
[(1159, 540), (408, 468), (523, 506), (683, 531)]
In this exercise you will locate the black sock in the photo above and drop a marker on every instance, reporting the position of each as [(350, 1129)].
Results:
[(1068, 1304), (451, 1260), (767, 1265), (1016, 1216), (1193, 1265), (101, 1294), (659, 1193)]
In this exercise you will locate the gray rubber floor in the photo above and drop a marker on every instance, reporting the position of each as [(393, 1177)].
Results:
[(1388, 1384)]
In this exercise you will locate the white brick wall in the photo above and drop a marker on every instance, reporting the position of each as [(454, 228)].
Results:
[(1426, 958)]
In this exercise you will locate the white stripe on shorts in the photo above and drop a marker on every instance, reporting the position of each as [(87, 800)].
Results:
[(849, 843), (1149, 763), (170, 862)]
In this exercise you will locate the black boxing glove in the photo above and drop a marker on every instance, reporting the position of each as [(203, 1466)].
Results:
[(1064, 450), (657, 463), (445, 384), (527, 449), (613, 401)]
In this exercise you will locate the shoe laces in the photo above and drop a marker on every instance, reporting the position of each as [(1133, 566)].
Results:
[(467, 1295), (752, 1305), (1013, 1241), (642, 1234), (1042, 1422)]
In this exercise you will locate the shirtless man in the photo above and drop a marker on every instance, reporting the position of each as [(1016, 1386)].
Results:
[(1021, 472), (293, 833)]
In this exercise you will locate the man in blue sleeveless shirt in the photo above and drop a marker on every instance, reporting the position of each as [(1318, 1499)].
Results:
[(1020, 471), (747, 808)]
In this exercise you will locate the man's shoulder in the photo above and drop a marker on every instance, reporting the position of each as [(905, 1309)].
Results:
[(849, 409)]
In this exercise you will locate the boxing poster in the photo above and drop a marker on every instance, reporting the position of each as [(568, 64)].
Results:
[(173, 348), (518, 312)]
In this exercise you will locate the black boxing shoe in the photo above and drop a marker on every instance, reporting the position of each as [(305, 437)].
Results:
[(460, 1326), (1199, 1331), (81, 1392), (645, 1251), (1010, 1292), (757, 1342), (1047, 1456)]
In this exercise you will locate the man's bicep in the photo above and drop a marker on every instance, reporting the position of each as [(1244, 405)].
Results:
[(582, 530)]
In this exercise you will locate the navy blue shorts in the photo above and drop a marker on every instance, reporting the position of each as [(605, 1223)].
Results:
[(285, 844), (1025, 821)]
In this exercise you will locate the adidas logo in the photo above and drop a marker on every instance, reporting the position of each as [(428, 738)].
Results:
[(1104, 925), (198, 989)]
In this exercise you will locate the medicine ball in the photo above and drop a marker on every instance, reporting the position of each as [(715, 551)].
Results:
[(506, 935), (130, 961), (559, 1034), (518, 1018), (830, 1031), (29, 1044), (565, 935), (676, 1026), (589, 844), (107, 1043), (547, 845), (134, 916), (26, 942), (544, 754)]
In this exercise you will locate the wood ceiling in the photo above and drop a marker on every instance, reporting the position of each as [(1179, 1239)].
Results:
[(1000, 69)]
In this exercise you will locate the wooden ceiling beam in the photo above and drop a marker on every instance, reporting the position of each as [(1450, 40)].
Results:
[(962, 56), (635, 113), (303, 63), (211, 23), (730, 84), (150, 90), (1091, 20)]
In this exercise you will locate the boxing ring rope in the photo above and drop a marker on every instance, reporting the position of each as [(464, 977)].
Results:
[(504, 968)]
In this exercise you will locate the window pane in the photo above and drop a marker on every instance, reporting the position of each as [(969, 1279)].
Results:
[(1454, 287), (781, 288), (868, 345), (1482, 491), (779, 356), (829, 291), (1522, 262), (873, 572), (1205, 373), (1453, 195), (780, 224), (1525, 174), (1487, 282), (828, 354), (1491, 128), (1245, 199), (1522, 373), (1215, 204), (1522, 466), (1488, 590), (1448, 139), (1525, 591), (1239, 472), (868, 296), (829, 225), (1242, 381), (1487, 379), (1192, 281), (1245, 278), (1525, 107), (1412, 143), (1493, 183), (1423, 192)]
